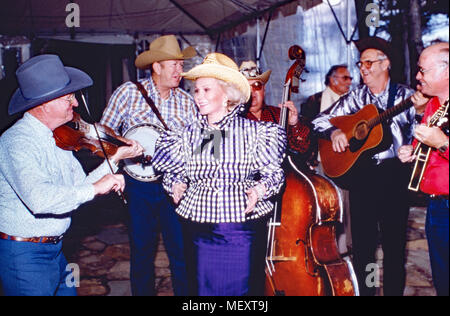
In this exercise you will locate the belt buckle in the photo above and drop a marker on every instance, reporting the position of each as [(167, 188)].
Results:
[(55, 240)]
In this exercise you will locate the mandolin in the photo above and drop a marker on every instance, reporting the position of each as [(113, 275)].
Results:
[(423, 152)]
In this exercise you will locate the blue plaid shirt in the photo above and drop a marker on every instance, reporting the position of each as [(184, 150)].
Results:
[(219, 166)]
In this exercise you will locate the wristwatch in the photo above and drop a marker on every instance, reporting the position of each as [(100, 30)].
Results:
[(443, 148)]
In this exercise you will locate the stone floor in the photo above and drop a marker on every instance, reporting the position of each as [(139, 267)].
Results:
[(98, 243)]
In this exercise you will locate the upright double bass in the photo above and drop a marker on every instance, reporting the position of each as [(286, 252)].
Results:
[(302, 256)]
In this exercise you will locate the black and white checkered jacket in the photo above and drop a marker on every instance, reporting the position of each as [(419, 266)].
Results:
[(219, 165)]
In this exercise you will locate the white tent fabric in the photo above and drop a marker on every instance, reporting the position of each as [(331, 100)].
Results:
[(210, 17), (317, 32), (309, 23)]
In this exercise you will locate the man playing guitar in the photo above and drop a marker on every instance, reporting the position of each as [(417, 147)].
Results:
[(378, 194)]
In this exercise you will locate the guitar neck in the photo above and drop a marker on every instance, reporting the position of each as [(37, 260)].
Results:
[(390, 113)]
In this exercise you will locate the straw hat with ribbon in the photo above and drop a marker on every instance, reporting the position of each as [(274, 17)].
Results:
[(251, 71), (220, 66), (164, 48)]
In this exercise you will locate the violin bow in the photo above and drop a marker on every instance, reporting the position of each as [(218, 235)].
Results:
[(120, 193)]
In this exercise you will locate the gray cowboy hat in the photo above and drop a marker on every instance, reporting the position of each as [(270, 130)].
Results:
[(42, 79)]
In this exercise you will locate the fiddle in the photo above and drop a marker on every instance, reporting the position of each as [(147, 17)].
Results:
[(77, 134), (100, 140)]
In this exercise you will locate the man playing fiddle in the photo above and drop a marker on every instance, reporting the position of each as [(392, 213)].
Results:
[(40, 183)]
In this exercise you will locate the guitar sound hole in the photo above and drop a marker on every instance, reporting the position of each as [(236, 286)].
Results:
[(361, 131)]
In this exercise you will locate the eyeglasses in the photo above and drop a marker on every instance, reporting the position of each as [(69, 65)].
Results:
[(70, 98), (257, 86), (367, 63), (344, 77), (424, 71)]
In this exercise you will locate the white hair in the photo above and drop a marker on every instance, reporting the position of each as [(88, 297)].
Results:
[(235, 96)]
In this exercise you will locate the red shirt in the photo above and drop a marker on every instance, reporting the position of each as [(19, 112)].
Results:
[(298, 135), (436, 176)]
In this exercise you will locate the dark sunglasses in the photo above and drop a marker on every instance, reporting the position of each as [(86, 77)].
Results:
[(257, 86), (344, 77)]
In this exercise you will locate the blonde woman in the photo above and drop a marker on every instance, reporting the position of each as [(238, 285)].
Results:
[(209, 170)]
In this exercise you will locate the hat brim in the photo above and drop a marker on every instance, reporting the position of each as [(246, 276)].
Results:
[(147, 58), (78, 80), (220, 72), (374, 43), (263, 77)]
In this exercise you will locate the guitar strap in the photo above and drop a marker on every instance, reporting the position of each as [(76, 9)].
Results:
[(392, 93), (151, 103)]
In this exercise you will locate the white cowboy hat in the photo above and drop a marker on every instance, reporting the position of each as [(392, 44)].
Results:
[(251, 71)]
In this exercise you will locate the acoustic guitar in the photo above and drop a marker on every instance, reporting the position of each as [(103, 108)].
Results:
[(365, 133)]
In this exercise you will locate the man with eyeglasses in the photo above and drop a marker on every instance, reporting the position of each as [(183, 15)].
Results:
[(433, 77), (42, 184), (338, 82), (298, 132), (379, 204)]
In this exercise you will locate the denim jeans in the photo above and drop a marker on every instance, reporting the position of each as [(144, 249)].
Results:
[(150, 208), (33, 269), (437, 234)]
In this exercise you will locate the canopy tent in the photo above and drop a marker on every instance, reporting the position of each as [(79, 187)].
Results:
[(134, 22), (187, 17)]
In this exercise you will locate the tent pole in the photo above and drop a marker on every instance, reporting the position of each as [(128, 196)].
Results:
[(193, 18), (264, 38), (218, 42), (349, 43), (258, 41)]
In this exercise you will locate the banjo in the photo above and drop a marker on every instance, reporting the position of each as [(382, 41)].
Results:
[(146, 134)]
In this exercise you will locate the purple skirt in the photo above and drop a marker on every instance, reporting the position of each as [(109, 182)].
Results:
[(228, 258)]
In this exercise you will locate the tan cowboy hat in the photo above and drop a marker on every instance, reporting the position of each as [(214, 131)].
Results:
[(251, 71), (220, 66), (163, 48)]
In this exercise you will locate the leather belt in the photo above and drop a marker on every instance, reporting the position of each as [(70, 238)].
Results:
[(43, 240), (439, 197)]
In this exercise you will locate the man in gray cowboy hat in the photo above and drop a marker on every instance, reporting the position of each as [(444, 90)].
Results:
[(378, 193), (40, 183), (148, 203)]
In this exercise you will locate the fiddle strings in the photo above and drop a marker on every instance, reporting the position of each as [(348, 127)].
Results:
[(119, 192)]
